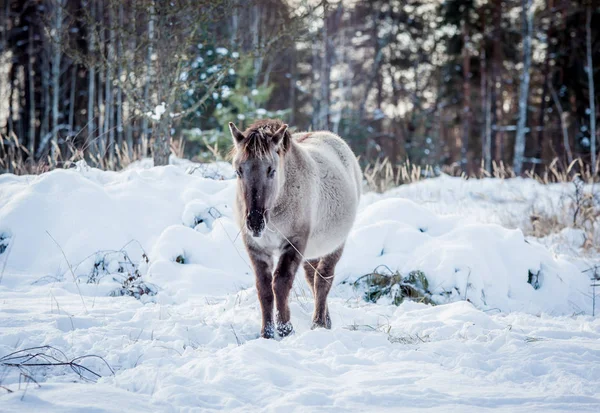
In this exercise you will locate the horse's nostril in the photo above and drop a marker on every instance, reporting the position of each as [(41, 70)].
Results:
[(256, 228), (255, 221)]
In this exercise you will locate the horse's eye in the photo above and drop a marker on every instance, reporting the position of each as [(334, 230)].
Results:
[(271, 172), (238, 172)]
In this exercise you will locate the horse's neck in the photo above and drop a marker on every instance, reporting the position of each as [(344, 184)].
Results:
[(295, 165)]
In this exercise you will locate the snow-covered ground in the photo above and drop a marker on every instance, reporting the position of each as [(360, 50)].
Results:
[(75, 244)]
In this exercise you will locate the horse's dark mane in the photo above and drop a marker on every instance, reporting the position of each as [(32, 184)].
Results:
[(258, 137)]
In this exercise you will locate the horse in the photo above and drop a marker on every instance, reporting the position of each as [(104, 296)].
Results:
[(296, 199)]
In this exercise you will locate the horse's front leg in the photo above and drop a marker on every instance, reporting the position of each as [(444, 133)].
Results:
[(263, 271), (282, 284)]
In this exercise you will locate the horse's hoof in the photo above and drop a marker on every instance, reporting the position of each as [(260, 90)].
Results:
[(321, 324), (268, 331), (284, 329), (316, 325)]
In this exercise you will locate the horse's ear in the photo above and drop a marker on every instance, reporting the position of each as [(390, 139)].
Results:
[(278, 135), (237, 136)]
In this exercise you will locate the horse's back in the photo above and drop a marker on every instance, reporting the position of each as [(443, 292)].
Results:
[(336, 192), (331, 152)]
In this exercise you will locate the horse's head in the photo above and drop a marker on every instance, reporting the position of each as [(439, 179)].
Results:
[(258, 161)]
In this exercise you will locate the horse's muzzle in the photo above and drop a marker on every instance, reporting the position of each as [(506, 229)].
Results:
[(256, 222)]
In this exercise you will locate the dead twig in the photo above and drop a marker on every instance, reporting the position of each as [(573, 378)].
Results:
[(47, 356)]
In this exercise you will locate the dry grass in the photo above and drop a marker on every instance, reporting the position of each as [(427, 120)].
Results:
[(15, 157), (382, 174), (543, 225), (37, 361), (401, 338), (578, 208), (556, 171)]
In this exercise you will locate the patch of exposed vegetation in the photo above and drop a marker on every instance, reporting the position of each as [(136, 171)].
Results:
[(3, 242), (122, 269), (395, 286), (533, 278)]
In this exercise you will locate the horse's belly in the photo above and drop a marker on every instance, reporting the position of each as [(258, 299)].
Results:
[(331, 234), (320, 247)]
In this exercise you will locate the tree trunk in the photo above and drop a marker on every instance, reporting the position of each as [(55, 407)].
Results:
[(486, 142), (4, 57), (341, 85), (161, 145), (11, 99), (56, 57), (496, 83), (45, 127), (119, 105), (72, 100), (234, 24), (91, 143), (592, 96), (109, 112), (466, 112), (374, 73), (31, 79), (99, 95), (539, 145), (292, 91), (128, 111), (519, 152), (148, 67), (488, 126), (325, 72), (256, 43), (563, 125), (314, 121)]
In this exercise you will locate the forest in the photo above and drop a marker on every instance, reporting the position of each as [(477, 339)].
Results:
[(458, 85), (149, 264)]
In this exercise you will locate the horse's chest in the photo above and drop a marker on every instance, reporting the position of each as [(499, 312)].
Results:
[(269, 241)]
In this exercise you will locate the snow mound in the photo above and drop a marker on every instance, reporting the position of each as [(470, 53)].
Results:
[(487, 264), (55, 224)]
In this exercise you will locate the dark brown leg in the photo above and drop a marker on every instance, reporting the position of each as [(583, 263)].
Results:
[(263, 271), (309, 273), (282, 284), (323, 282)]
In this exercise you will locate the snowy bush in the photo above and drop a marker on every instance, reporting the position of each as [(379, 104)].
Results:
[(119, 266), (393, 287), (116, 266), (4, 238)]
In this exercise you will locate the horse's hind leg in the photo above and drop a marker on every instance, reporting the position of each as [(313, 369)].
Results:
[(322, 285), (309, 273)]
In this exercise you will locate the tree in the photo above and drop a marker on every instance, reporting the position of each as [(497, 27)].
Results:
[(524, 87), (154, 76), (56, 35), (591, 94)]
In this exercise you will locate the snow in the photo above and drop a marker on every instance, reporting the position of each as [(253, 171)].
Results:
[(159, 110), (493, 344)]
